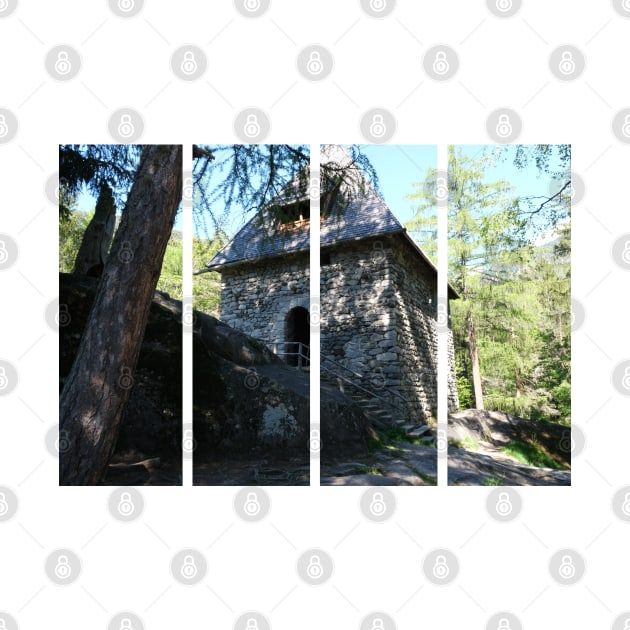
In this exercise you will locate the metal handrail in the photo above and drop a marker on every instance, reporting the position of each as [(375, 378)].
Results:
[(300, 354), (393, 392), (364, 389), (304, 356)]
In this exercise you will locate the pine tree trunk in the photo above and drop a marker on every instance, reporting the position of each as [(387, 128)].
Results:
[(99, 384), (474, 362)]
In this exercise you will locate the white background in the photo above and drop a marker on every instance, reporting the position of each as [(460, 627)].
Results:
[(252, 62)]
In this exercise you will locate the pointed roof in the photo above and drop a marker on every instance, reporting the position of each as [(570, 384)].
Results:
[(365, 215)]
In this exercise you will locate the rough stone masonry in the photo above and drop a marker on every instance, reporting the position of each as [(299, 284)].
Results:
[(378, 302)]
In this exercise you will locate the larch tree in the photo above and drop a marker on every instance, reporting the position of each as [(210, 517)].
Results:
[(99, 383), (98, 386)]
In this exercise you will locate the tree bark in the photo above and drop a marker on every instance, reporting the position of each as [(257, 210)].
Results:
[(474, 362), (98, 235), (99, 384)]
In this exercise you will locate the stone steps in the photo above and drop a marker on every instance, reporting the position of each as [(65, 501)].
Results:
[(382, 417)]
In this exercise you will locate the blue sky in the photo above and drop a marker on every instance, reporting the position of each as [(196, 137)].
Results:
[(399, 167)]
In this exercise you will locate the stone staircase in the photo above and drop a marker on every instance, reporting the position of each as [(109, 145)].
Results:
[(380, 414)]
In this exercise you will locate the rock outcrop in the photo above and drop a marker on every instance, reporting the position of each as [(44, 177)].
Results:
[(248, 405)]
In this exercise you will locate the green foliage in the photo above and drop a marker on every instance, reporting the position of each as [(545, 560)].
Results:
[(530, 454), (514, 287), (91, 166), (423, 227), (206, 286), (170, 280), (492, 481), (70, 235), (562, 399), (468, 443)]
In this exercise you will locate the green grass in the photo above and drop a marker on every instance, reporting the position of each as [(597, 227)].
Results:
[(388, 437), (468, 443), (492, 481), (370, 470), (530, 454)]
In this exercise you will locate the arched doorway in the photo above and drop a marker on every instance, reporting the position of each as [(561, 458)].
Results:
[(296, 331)]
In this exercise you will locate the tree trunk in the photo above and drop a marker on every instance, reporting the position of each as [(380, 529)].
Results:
[(474, 362), (98, 235), (99, 384)]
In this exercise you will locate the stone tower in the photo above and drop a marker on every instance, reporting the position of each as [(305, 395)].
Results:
[(378, 296)]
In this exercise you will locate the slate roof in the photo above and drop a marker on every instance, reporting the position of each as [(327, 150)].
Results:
[(362, 218), (367, 215)]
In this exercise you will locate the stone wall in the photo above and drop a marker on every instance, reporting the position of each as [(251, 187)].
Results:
[(256, 297), (415, 288), (357, 313), (378, 316)]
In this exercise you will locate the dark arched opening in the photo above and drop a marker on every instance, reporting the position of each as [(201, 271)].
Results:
[(296, 332)]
